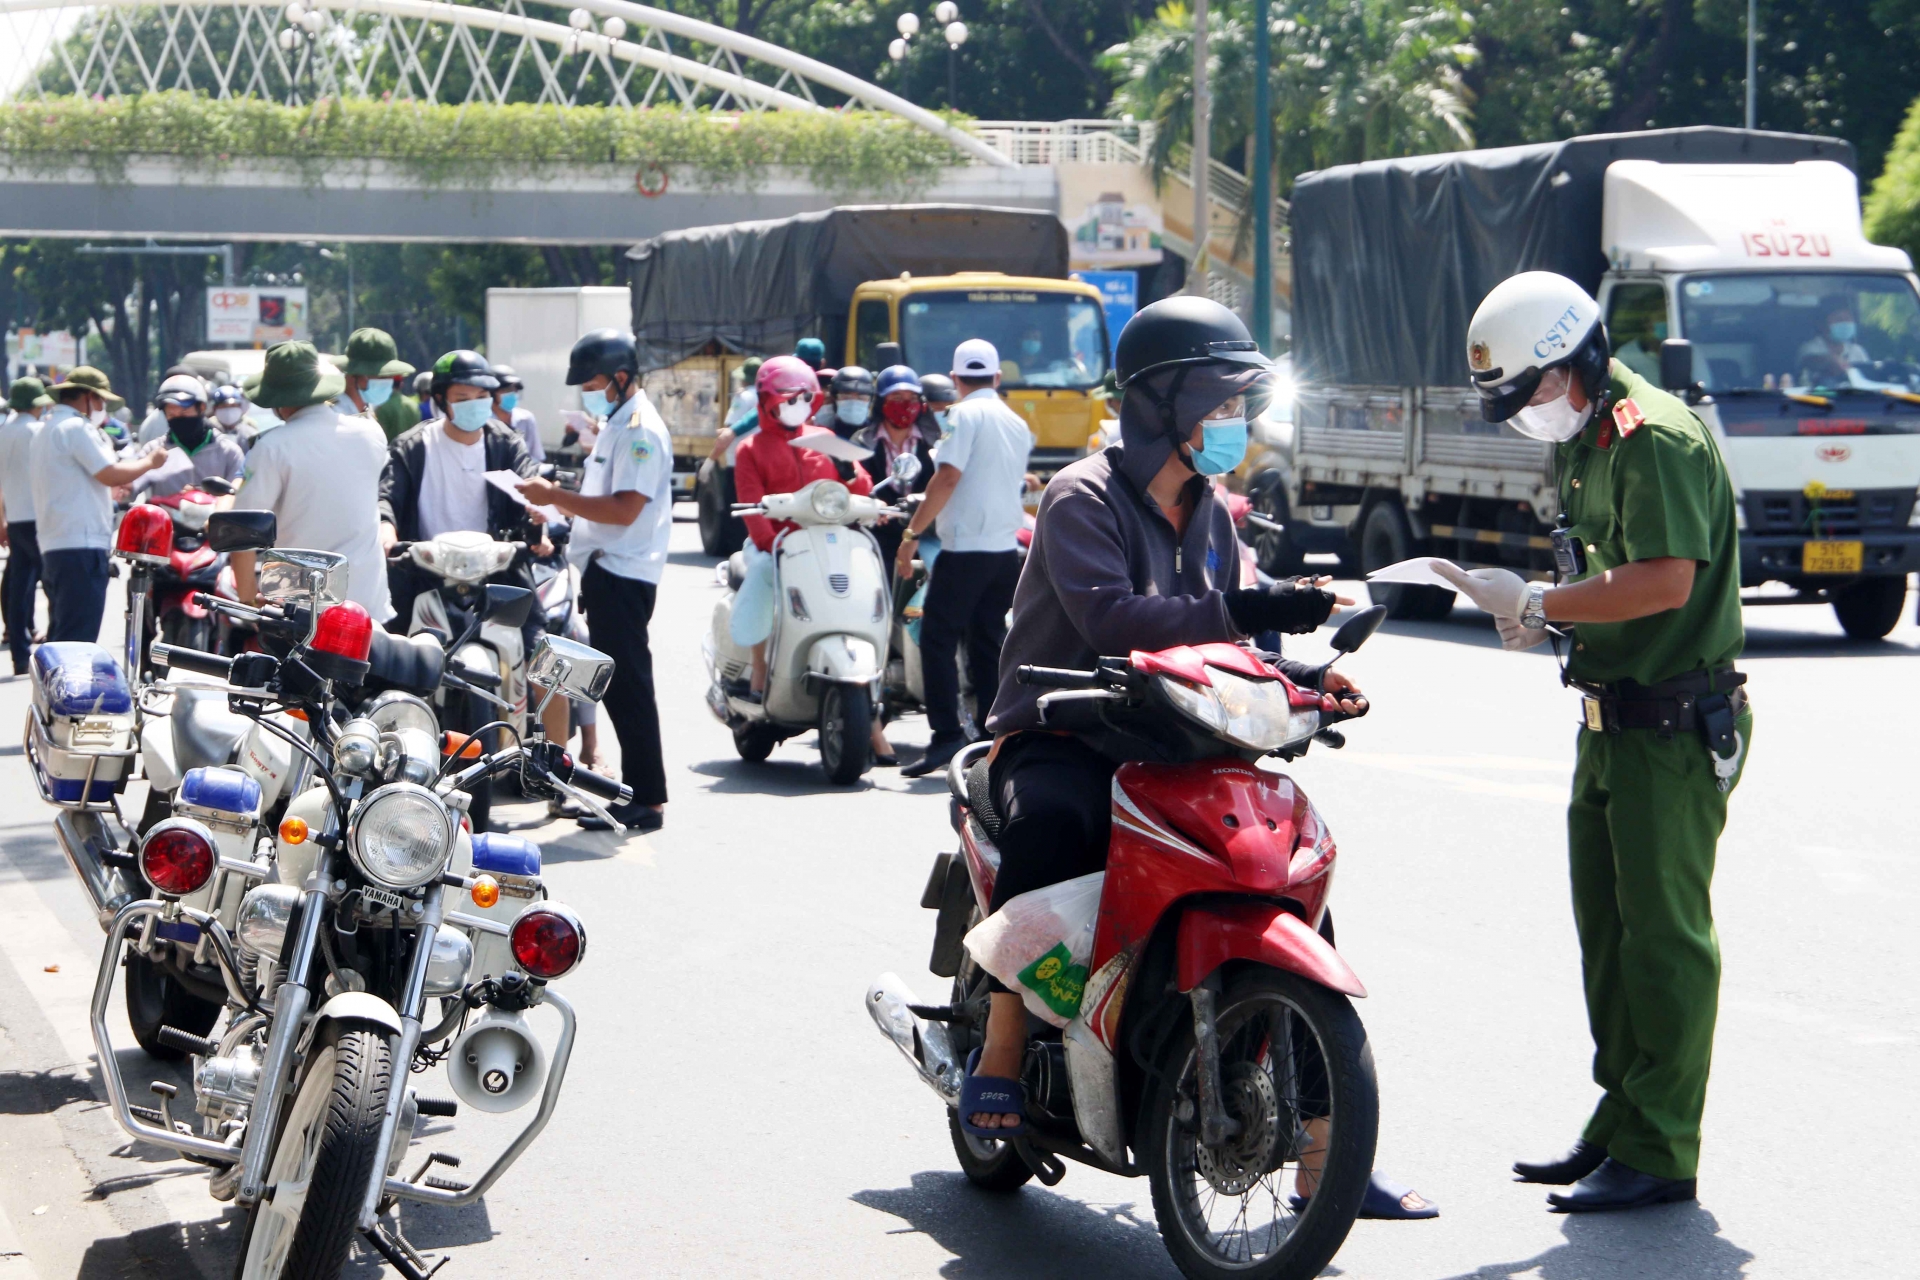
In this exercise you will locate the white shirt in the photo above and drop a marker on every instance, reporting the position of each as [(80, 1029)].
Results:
[(153, 426), (453, 484), (16, 473), (989, 443), (319, 473), (632, 455), (72, 510)]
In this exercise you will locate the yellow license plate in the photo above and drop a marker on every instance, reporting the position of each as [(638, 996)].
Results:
[(1832, 557)]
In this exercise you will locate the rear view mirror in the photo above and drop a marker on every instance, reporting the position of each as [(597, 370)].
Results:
[(506, 605), (905, 469), (218, 486), (292, 576), (886, 355), (1358, 629), (569, 667), (241, 530), (1676, 364)]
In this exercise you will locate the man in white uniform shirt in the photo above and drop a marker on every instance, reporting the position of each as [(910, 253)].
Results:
[(623, 518), (974, 504), (26, 399), (318, 472)]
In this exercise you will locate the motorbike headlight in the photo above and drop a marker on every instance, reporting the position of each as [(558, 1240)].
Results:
[(402, 836), (831, 500), (1196, 703), (1259, 715)]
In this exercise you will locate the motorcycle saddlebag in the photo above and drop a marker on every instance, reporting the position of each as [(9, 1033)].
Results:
[(80, 739)]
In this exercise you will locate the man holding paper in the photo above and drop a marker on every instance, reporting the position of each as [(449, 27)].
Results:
[(1653, 613), (436, 482)]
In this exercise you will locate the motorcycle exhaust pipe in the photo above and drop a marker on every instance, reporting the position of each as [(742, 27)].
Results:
[(926, 1045), (83, 838)]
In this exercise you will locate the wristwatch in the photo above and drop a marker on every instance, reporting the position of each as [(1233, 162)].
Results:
[(1533, 615)]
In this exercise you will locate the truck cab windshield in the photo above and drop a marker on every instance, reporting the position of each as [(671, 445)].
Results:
[(1816, 332), (1044, 339)]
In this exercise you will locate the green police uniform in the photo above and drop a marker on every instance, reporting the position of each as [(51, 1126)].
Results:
[(1643, 481), (400, 413)]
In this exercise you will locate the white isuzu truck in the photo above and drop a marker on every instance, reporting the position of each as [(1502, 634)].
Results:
[(1796, 340)]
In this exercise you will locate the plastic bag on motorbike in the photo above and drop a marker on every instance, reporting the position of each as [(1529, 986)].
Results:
[(1039, 944)]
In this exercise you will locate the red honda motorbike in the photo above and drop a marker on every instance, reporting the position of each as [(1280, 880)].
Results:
[(1215, 1049)]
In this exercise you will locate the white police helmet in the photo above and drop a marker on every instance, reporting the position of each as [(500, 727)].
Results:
[(1530, 324)]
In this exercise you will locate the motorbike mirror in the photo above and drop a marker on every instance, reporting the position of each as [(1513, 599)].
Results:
[(1355, 631), (560, 534), (286, 576), (569, 667), (905, 469), (1676, 364), (506, 605), (886, 355), (241, 530), (218, 486)]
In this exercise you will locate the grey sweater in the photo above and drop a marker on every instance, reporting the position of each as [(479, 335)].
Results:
[(1105, 576)]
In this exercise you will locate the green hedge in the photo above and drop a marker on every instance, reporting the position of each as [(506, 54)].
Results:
[(845, 153), (1893, 205)]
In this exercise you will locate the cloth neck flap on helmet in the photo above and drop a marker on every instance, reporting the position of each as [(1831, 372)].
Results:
[(1155, 407)]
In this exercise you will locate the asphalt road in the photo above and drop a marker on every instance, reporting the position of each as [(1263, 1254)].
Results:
[(731, 1110)]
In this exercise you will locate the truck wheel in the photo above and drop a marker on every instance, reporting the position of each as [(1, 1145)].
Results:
[(1385, 539), (720, 533), (1868, 610), (1277, 553)]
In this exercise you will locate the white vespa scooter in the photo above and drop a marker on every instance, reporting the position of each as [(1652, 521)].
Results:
[(828, 650)]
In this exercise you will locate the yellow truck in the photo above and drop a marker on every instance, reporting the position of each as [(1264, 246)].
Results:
[(876, 285)]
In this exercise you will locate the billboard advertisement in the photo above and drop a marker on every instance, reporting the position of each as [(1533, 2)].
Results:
[(256, 315)]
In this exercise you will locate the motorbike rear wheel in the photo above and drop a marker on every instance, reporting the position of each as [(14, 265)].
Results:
[(155, 999), (304, 1224), (1290, 1052), (846, 733)]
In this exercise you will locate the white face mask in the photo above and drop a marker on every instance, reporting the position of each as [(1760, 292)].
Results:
[(229, 415), (794, 413), (98, 417), (1555, 420)]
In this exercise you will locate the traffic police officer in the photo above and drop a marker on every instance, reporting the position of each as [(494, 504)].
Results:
[(1653, 610)]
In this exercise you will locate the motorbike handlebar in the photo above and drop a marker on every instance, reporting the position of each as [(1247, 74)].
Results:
[(1057, 677), (176, 658), (599, 785)]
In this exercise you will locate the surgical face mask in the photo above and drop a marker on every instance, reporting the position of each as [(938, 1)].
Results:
[(853, 413), (794, 413), (1842, 330), (1554, 420), (1223, 443), (98, 417), (378, 392), (1659, 330), (596, 403), (190, 431), (229, 415), (1030, 347), (471, 415), (510, 401), (940, 420)]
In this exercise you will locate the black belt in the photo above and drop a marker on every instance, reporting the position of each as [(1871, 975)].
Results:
[(1706, 702)]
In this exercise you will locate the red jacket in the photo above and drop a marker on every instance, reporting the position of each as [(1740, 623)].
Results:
[(768, 462)]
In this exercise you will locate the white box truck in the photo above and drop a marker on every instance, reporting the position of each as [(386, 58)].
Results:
[(534, 331), (1805, 354)]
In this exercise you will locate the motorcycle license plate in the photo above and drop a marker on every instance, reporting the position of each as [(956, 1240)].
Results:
[(1832, 557)]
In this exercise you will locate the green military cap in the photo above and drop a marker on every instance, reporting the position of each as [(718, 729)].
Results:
[(295, 375), (84, 377), (371, 353), (28, 393)]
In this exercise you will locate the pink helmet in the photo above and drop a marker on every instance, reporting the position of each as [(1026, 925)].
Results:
[(778, 380)]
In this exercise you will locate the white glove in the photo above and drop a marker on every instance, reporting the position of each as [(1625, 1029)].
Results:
[(1514, 637), (1501, 592)]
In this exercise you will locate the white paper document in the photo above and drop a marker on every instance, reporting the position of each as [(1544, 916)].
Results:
[(1417, 572), (823, 441), (508, 482)]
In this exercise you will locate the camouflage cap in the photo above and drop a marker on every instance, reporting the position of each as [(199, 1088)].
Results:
[(371, 353), (28, 393), (294, 376), (84, 377)]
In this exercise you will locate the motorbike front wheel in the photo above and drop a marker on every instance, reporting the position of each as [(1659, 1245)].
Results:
[(304, 1224), (846, 733), (1296, 1074), (155, 999), (754, 742)]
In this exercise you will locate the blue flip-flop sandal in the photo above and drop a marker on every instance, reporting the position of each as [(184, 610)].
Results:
[(990, 1095), (1381, 1203)]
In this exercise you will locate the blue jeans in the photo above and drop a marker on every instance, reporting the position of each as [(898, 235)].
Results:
[(76, 593)]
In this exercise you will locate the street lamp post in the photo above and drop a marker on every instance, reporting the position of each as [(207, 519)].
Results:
[(1752, 65), (1262, 179), (1202, 110), (947, 14)]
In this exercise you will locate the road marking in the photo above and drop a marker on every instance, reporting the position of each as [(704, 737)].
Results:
[(1429, 768)]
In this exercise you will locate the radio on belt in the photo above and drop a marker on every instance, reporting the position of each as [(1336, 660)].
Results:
[(1569, 557)]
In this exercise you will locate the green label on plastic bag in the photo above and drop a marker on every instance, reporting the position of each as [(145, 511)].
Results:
[(1057, 981)]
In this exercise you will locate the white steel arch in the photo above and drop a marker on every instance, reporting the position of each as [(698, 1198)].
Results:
[(231, 48)]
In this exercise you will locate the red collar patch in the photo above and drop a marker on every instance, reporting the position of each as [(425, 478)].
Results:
[(1627, 417), (1604, 439)]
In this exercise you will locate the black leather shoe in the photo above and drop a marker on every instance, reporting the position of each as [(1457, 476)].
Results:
[(636, 816), (938, 756), (1567, 1170), (1615, 1186)]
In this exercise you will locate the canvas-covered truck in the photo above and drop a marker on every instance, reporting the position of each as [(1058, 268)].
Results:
[(1742, 253), (920, 277)]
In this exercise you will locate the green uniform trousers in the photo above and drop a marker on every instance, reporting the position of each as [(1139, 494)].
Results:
[(1642, 827)]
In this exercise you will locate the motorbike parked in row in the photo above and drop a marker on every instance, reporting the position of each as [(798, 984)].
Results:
[(1214, 1048), (830, 621), (163, 540), (333, 931)]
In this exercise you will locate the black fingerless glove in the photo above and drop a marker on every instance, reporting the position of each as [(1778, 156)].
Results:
[(1292, 605)]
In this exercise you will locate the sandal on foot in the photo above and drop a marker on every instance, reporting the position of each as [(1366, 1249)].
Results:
[(990, 1095), (1382, 1202)]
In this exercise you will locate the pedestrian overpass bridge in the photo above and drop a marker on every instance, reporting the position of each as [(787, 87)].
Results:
[(608, 55)]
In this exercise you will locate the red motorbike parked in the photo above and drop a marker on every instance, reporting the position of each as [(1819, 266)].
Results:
[(171, 564), (1215, 1050)]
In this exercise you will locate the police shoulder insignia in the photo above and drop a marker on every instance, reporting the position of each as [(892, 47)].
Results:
[(1627, 417), (642, 448)]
